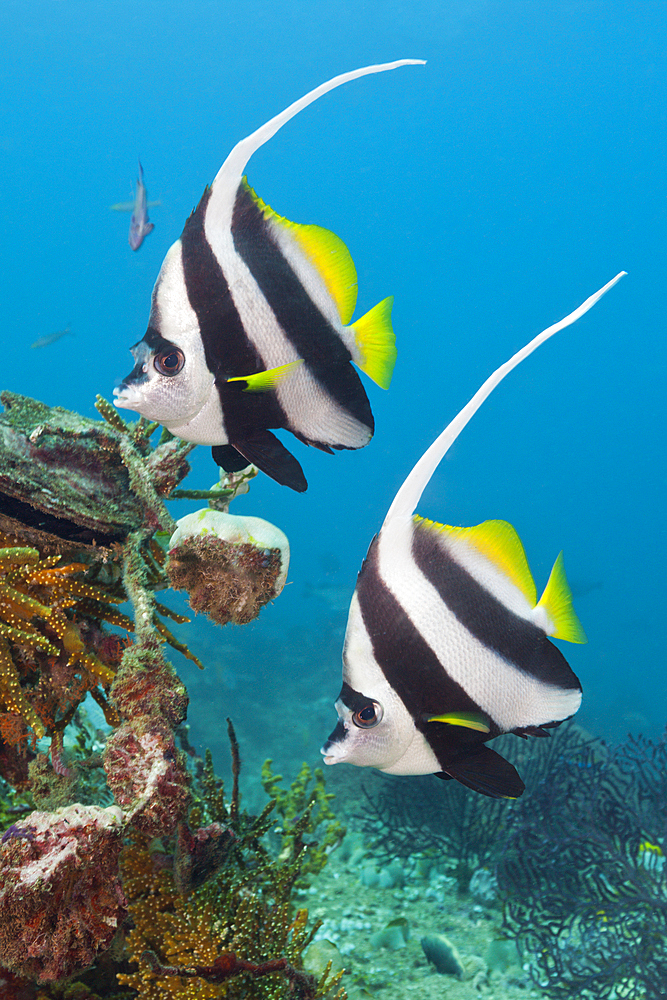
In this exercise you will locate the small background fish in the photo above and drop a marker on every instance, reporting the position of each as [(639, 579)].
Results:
[(128, 206), (140, 226), (50, 338)]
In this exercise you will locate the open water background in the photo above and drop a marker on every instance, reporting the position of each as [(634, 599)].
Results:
[(490, 192)]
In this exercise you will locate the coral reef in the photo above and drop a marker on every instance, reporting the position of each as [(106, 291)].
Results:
[(235, 921), (69, 552), (583, 873), (200, 899), (60, 896), (62, 546)]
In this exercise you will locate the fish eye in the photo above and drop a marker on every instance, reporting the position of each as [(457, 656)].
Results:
[(369, 716), (169, 362)]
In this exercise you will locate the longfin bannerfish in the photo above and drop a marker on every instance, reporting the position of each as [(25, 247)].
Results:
[(446, 644), (245, 292), (140, 226)]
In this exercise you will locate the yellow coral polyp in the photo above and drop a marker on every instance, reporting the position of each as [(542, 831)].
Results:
[(11, 694), (38, 600), (98, 669), (16, 555)]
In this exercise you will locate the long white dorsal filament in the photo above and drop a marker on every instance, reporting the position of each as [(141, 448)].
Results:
[(409, 495), (233, 167)]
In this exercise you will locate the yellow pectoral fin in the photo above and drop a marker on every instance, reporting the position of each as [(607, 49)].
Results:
[(469, 720), (557, 602), (269, 379), (376, 343)]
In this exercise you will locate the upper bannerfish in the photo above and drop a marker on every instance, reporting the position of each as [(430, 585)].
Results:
[(140, 226), (250, 327), (447, 645)]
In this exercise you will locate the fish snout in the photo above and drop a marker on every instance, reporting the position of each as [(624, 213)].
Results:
[(329, 753), (126, 397), (333, 750)]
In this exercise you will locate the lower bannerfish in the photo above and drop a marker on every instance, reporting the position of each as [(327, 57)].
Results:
[(446, 644), (140, 227), (250, 327)]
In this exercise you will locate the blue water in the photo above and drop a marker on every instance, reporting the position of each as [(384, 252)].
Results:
[(490, 192)]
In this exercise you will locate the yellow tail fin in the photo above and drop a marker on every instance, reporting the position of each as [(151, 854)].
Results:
[(376, 343), (557, 602)]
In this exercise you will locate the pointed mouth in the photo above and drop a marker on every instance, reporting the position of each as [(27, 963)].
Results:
[(329, 757), (126, 397)]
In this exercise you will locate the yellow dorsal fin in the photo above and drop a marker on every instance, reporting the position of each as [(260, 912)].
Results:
[(498, 542), (376, 343), (557, 602), (469, 720), (267, 380), (326, 252)]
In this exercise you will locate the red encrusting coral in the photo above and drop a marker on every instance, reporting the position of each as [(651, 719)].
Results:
[(147, 684), (61, 899), (146, 775), (145, 770)]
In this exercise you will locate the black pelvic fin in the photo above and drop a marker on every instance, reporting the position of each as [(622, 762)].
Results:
[(264, 450), (526, 731), (229, 458), (485, 771)]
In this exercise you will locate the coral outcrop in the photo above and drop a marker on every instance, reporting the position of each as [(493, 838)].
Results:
[(202, 901), (61, 899)]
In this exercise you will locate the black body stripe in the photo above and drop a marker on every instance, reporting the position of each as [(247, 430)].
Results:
[(229, 353), (486, 618), (313, 337), (412, 668)]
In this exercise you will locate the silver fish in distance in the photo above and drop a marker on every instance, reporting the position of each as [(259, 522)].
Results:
[(50, 338), (140, 227), (128, 206), (250, 328), (446, 644)]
